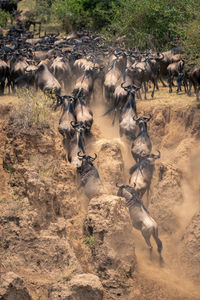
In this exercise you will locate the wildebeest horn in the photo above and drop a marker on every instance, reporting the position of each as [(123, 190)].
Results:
[(148, 118), (122, 84), (126, 88), (75, 125), (136, 87), (93, 158), (119, 186), (80, 156), (157, 156), (160, 58), (117, 53), (135, 119)]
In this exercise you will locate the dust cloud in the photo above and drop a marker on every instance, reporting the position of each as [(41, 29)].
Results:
[(176, 154)]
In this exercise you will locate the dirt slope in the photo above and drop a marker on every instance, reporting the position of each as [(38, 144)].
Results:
[(43, 240)]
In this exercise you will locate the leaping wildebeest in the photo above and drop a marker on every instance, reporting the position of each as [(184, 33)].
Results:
[(140, 217), (141, 146), (89, 176), (127, 123), (76, 144), (83, 112), (68, 115), (114, 73), (141, 175)]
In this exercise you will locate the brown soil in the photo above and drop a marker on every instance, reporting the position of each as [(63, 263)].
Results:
[(42, 213)]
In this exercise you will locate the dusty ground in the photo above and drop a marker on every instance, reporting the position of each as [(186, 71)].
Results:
[(42, 215)]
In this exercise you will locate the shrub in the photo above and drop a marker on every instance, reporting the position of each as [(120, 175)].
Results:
[(143, 24), (4, 16), (32, 111)]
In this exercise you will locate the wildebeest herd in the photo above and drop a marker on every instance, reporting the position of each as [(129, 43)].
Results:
[(72, 65)]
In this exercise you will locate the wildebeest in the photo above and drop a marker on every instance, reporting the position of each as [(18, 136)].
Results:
[(45, 80), (76, 144), (17, 65), (89, 176), (141, 175), (4, 73), (193, 76), (140, 217), (68, 115), (62, 71), (141, 146), (83, 112), (127, 123), (86, 82), (174, 69), (114, 73), (147, 70)]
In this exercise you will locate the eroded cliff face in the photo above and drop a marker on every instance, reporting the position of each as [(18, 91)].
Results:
[(50, 233)]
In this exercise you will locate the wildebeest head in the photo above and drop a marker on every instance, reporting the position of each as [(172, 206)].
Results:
[(142, 122), (152, 156), (130, 194), (87, 160)]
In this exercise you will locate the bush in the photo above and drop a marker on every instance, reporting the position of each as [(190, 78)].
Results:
[(4, 16), (32, 111), (190, 39), (144, 23)]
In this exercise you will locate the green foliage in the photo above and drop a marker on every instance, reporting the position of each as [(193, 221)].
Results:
[(4, 17), (190, 39), (142, 23), (89, 241), (150, 23), (70, 10), (42, 10)]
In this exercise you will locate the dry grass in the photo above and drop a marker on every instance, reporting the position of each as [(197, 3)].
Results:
[(31, 110), (163, 98)]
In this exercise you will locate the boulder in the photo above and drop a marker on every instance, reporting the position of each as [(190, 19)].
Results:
[(108, 232), (110, 165), (12, 288), (190, 247), (80, 287)]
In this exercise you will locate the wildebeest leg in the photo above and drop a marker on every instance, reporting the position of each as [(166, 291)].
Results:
[(159, 244), (145, 91), (170, 83), (107, 94), (121, 132), (147, 236), (190, 88), (148, 191), (164, 85), (197, 93), (173, 80), (154, 85), (138, 95)]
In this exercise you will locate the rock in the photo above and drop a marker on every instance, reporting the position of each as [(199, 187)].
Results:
[(110, 165), (80, 287), (190, 247), (108, 231), (86, 286), (12, 288), (44, 251)]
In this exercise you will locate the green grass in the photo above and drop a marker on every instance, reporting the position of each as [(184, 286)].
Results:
[(89, 241)]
